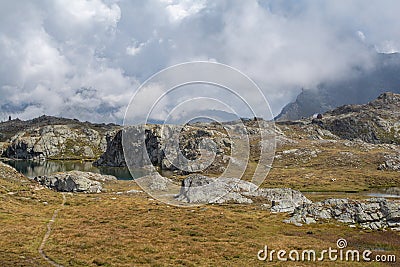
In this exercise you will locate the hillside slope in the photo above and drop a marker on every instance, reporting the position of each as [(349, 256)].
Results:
[(375, 122)]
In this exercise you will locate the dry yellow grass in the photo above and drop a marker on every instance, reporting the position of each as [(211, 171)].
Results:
[(114, 230), (24, 211), (110, 229), (132, 230)]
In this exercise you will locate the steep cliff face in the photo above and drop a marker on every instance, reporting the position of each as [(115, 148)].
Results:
[(114, 154), (73, 140), (155, 151)]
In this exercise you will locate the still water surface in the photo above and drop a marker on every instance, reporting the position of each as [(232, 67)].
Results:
[(33, 168)]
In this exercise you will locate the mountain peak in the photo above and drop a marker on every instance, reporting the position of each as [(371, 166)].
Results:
[(361, 87)]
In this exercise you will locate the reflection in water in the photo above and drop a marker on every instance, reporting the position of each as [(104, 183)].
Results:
[(33, 168)]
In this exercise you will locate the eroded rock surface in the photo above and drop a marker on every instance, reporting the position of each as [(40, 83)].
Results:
[(375, 213), (75, 181), (391, 163), (201, 189), (72, 140)]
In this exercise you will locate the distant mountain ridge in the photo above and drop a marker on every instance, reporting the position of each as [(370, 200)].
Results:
[(360, 88)]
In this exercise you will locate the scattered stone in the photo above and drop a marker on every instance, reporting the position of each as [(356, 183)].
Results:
[(265, 206), (299, 154)]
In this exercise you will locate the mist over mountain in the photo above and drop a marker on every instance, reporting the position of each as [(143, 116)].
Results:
[(365, 84), (196, 116), (86, 59)]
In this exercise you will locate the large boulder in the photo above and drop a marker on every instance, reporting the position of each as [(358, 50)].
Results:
[(75, 181), (201, 189)]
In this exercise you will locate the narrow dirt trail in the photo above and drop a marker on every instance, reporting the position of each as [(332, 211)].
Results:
[(47, 235)]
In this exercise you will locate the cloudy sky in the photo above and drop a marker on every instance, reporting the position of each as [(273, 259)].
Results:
[(85, 59)]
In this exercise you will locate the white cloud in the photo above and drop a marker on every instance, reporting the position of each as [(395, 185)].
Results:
[(388, 46), (84, 59), (135, 48), (361, 35), (180, 9)]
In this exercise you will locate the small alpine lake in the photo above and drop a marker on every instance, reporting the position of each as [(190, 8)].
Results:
[(39, 168)]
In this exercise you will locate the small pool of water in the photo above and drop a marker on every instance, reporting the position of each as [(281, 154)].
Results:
[(33, 168), (382, 195)]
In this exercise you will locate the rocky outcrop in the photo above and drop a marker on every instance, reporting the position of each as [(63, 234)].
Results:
[(10, 128), (58, 142), (391, 163), (75, 181), (201, 189), (114, 154), (280, 199), (155, 149), (376, 122), (375, 213)]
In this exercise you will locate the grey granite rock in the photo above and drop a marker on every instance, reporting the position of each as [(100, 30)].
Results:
[(59, 142), (75, 181), (375, 213), (201, 189)]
